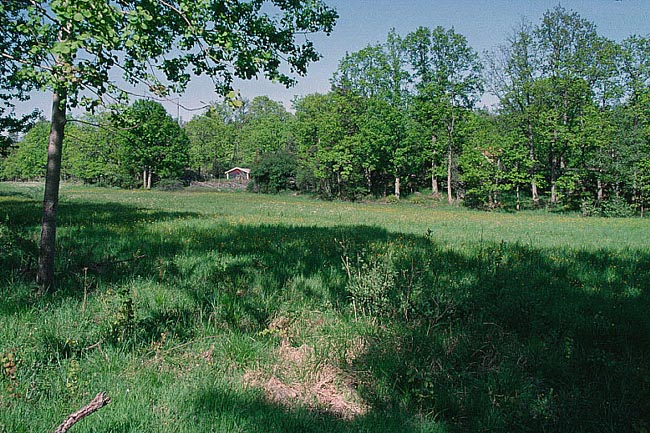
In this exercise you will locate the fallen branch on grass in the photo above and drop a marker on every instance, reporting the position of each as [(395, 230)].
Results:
[(97, 403)]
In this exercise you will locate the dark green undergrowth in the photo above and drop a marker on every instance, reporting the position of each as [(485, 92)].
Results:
[(171, 301)]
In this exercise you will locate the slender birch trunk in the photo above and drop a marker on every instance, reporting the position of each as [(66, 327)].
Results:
[(450, 154), (531, 155), (434, 180), (450, 159)]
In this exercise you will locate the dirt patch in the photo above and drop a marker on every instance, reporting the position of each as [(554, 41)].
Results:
[(299, 379)]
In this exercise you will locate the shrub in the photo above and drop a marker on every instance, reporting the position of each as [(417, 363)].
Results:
[(614, 207), (275, 172), (169, 185), (391, 199)]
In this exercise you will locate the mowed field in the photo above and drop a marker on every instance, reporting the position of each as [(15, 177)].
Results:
[(199, 311)]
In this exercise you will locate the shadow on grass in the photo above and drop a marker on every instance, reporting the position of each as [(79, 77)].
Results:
[(23, 214), (86, 238), (495, 337), (21, 194), (228, 411), (529, 340)]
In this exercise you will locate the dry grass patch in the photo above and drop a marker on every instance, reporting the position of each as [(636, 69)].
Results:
[(300, 379)]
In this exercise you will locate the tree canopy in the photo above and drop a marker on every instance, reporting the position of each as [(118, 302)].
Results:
[(154, 143), (76, 47)]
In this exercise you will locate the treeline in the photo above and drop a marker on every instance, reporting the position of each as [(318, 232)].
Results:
[(570, 127), (129, 147), (142, 145)]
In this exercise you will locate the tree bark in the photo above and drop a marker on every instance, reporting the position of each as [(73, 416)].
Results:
[(601, 193), (434, 181), (368, 177), (45, 275), (518, 199), (554, 167), (397, 187), (553, 191)]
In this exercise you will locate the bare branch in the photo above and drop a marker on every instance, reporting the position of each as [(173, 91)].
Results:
[(97, 403), (45, 13), (22, 62)]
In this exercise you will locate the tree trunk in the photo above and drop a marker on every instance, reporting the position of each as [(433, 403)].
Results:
[(450, 153), (146, 178), (518, 199), (368, 177), (434, 181), (554, 167), (397, 189), (450, 159), (45, 275), (338, 183), (531, 155), (553, 192), (601, 193)]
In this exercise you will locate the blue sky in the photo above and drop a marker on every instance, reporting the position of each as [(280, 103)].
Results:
[(485, 23)]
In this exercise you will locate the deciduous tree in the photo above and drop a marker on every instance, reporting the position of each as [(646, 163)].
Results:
[(27, 160), (154, 143), (375, 80), (448, 82), (74, 49), (210, 141), (513, 70), (265, 128)]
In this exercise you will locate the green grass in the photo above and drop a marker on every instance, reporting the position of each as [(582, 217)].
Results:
[(429, 317)]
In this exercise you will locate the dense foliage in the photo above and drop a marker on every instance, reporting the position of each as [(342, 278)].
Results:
[(142, 145), (27, 161), (571, 128), (154, 144)]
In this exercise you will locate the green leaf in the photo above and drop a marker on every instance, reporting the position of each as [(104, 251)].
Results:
[(62, 48)]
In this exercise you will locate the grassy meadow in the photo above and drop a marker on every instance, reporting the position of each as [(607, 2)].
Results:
[(199, 311)]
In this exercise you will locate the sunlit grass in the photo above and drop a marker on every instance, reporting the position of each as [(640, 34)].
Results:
[(449, 224), (444, 319)]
